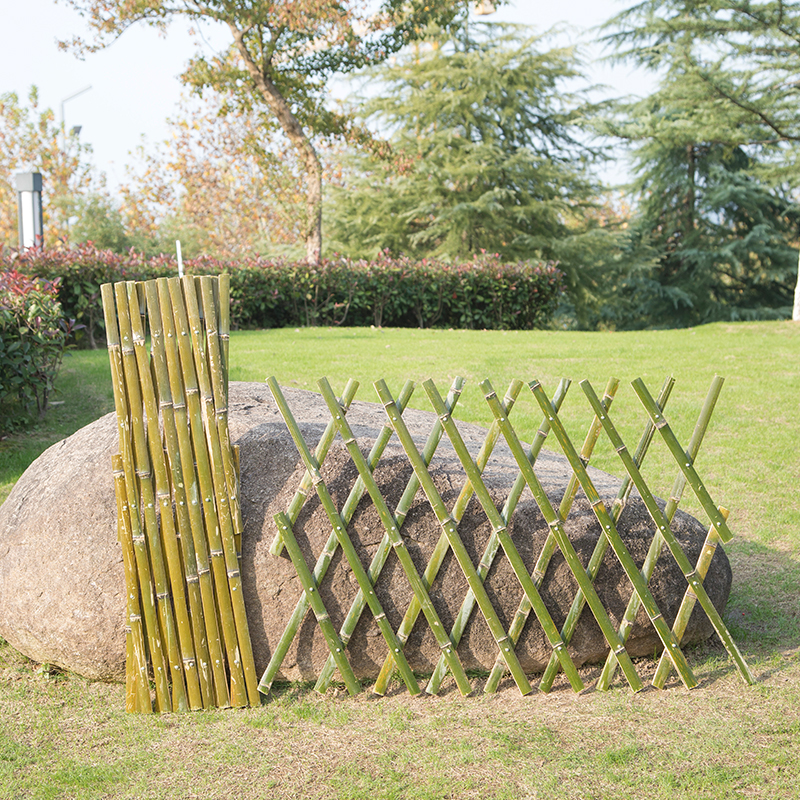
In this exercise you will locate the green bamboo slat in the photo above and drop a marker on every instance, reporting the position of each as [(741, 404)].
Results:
[(147, 598), (385, 546), (564, 544), (607, 523), (684, 461), (137, 694), (178, 486), (169, 540), (600, 548), (549, 547), (663, 532), (188, 348), (340, 526), (327, 552), (321, 450), (442, 546), (499, 527), (390, 525), (147, 493), (194, 504), (312, 592), (210, 381)]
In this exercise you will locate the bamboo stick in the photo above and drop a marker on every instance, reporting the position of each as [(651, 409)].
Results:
[(169, 541), (192, 490), (146, 492), (568, 551), (549, 547), (601, 547), (328, 551), (607, 523), (340, 526), (219, 387), (188, 347), (276, 548), (687, 605), (147, 599), (385, 546), (177, 482), (211, 382), (137, 695), (312, 592), (684, 462)]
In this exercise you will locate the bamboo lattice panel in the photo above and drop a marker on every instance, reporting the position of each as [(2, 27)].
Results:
[(179, 519), (477, 600)]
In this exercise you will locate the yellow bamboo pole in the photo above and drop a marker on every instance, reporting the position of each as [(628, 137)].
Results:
[(194, 505), (137, 695), (121, 404)]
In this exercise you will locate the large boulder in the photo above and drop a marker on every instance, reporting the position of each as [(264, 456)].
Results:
[(62, 595)]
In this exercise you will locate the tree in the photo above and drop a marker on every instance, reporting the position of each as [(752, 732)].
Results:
[(486, 154), (31, 141), (707, 144), (281, 58), (739, 61), (215, 185)]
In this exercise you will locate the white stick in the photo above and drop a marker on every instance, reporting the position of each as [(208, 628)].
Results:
[(180, 260), (796, 309)]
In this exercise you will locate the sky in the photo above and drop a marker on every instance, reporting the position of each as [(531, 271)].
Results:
[(135, 82)]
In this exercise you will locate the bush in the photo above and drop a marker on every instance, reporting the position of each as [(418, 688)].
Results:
[(33, 337), (273, 293)]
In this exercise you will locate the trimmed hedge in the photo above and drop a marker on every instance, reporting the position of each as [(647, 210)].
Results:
[(33, 337), (273, 293)]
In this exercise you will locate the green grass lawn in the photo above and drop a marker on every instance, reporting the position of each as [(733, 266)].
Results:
[(62, 736)]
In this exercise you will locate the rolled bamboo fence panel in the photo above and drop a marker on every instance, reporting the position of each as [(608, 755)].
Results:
[(177, 491)]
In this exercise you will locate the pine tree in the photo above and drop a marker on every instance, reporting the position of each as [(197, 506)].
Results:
[(486, 153), (715, 160)]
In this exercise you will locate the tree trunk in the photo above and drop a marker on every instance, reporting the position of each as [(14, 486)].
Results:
[(796, 309), (302, 144)]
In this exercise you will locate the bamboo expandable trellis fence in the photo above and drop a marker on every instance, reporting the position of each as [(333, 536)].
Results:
[(180, 524), (506, 640), (179, 519)]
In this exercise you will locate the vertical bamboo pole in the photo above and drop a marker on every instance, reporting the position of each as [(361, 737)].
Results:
[(188, 352), (169, 541), (121, 403), (138, 688), (178, 487), (211, 382), (192, 489)]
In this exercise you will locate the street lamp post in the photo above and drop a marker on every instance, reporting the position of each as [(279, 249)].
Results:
[(29, 209)]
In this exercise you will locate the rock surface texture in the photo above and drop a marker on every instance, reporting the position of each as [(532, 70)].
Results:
[(62, 594)]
